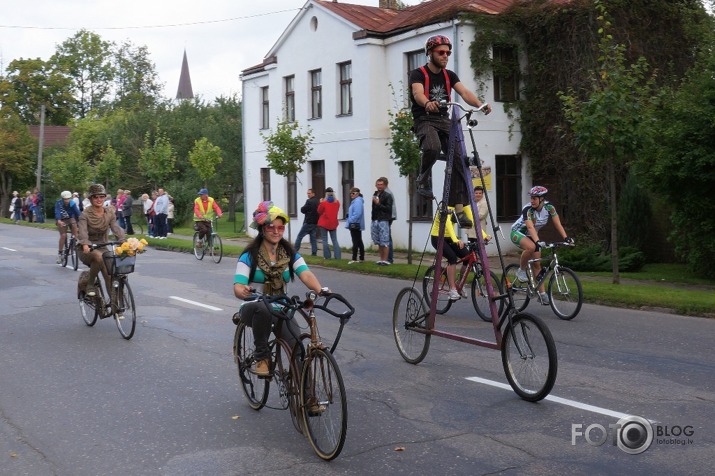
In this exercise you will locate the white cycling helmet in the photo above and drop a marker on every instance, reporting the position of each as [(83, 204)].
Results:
[(66, 194)]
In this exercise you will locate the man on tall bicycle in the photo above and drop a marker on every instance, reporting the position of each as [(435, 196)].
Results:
[(205, 208), (430, 86), (66, 212)]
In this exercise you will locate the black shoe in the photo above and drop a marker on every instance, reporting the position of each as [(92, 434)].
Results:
[(464, 221)]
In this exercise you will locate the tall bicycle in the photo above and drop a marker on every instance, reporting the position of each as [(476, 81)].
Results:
[(211, 244), (527, 347), (120, 304), (69, 252), (471, 276), (564, 290), (306, 376)]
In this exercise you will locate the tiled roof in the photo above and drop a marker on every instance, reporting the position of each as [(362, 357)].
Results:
[(54, 135), (379, 20)]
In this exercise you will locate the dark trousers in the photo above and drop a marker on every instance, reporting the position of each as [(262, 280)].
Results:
[(358, 245), (433, 134), (255, 315), (128, 223), (311, 230), (160, 223)]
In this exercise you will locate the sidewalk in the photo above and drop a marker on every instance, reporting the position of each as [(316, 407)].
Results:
[(400, 256)]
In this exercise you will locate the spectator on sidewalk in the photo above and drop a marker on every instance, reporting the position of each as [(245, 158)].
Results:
[(310, 223), (381, 216), (356, 224), (328, 222)]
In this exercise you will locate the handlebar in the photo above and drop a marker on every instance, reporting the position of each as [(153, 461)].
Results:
[(309, 303), (464, 109), (555, 244), (94, 246)]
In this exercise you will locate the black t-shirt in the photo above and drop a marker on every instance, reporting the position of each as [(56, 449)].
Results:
[(437, 88)]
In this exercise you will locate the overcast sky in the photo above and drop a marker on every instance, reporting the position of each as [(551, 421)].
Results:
[(221, 37)]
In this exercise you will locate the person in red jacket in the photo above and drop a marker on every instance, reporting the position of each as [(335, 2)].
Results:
[(328, 222)]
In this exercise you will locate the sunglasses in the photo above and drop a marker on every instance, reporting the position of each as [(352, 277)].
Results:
[(443, 52), (99, 196), (353, 193), (275, 228)]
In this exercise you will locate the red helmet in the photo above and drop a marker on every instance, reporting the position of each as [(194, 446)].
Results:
[(437, 40), (538, 191)]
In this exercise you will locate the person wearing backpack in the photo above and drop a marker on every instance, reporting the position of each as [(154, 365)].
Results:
[(431, 86)]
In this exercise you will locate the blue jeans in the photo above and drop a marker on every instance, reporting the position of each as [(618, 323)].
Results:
[(334, 239), (311, 230)]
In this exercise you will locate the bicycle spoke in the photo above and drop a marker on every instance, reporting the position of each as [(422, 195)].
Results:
[(324, 404)]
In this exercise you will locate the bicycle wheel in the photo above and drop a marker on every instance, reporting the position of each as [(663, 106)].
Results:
[(88, 307), (199, 247), (480, 297), (443, 302), (286, 376), (255, 389), (125, 302), (520, 289), (73, 255), (528, 355), (65, 255), (324, 404), (216, 248), (565, 293), (409, 316), (138, 228)]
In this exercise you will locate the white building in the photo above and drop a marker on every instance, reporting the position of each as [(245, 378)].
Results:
[(332, 70)]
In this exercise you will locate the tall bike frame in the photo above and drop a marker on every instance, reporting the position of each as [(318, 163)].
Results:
[(526, 344)]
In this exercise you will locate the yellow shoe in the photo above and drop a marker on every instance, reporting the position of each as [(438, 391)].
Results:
[(263, 368)]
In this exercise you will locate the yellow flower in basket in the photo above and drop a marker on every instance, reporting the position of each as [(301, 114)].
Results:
[(131, 247)]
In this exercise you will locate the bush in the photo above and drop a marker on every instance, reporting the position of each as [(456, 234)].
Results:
[(592, 258)]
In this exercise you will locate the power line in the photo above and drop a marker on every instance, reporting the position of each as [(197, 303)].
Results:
[(172, 25)]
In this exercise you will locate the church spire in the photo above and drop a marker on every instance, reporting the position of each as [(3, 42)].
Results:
[(185, 91)]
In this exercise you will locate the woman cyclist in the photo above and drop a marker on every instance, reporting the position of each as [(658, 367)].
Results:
[(270, 260), (453, 248), (525, 233), (94, 223)]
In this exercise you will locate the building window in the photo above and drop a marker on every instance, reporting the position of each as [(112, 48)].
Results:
[(266, 184), (265, 111), (290, 98), (346, 86), (509, 196), (317, 177), (347, 172), (292, 205), (316, 94), (415, 59), (420, 207), (506, 73)]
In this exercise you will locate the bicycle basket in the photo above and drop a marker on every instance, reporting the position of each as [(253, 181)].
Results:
[(117, 265)]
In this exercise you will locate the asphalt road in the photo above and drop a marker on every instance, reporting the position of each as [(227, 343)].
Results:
[(76, 400)]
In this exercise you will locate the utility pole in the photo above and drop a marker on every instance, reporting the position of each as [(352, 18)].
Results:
[(38, 182)]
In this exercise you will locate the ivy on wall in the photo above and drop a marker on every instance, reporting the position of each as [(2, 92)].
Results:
[(560, 45)]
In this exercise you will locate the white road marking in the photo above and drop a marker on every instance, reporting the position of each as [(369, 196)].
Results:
[(196, 303), (563, 401), (9, 249)]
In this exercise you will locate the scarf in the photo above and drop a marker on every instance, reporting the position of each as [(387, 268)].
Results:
[(98, 225), (274, 283)]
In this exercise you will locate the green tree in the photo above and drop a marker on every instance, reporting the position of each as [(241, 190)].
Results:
[(157, 159), (288, 148), (108, 169), (204, 157), (137, 82), (680, 165), (16, 147), (607, 120), (87, 60), (68, 170), (32, 83)]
